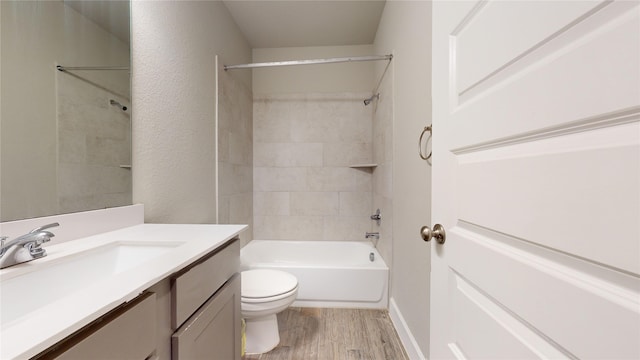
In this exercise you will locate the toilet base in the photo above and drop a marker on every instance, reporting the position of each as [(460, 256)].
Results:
[(261, 334)]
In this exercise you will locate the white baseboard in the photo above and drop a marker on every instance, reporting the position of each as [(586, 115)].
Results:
[(406, 337)]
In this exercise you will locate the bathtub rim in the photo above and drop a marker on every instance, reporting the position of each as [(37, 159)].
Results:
[(383, 303), (380, 262)]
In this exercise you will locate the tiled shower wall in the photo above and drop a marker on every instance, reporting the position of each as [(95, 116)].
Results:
[(303, 182), (235, 153), (94, 141), (383, 157)]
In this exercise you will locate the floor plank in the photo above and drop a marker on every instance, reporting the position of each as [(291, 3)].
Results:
[(335, 334)]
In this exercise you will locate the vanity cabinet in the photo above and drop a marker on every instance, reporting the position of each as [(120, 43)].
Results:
[(212, 332), (198, 308), (206, 308), (191, 314), (193, 286), (128, 332)]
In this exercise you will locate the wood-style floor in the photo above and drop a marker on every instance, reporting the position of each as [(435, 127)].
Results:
[(335, 334)]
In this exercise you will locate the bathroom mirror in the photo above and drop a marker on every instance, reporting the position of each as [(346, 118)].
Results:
[(65, 136)]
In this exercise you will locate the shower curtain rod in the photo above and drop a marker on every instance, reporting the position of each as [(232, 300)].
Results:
[(65, 68), (309, 62)]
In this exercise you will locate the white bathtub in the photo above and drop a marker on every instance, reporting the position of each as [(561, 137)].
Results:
[(330, 273)]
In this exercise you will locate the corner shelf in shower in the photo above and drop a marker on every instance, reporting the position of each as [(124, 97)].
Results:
[(363, 166), (125, 166)]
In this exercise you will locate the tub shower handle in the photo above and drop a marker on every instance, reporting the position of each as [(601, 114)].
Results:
[(377, 217), (438, 233)]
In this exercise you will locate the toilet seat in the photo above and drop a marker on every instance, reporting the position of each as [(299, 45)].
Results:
[(264, 285), (269, 299)]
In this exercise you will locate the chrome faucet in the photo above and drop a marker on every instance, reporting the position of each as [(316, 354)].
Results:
[(377, 217), (26, 247), (373, 235)]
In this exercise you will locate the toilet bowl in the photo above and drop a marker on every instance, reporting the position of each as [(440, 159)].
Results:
[(265, 293)]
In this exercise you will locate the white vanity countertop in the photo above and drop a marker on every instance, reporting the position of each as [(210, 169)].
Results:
[(27, 336)]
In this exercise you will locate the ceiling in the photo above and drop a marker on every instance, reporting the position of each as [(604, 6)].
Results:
[(293, 23), (111, 15), (268, 23)]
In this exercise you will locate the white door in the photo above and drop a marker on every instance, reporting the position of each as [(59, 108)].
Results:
[(536, 177)]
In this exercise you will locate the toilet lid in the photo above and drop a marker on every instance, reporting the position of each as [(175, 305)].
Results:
[(262, 283)]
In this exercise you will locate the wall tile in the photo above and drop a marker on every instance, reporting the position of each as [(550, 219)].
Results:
[(288, 227), (235, 154), (332, 179), (345, 154), (355, 203), (280, 179), (241, 208), (355, 130), (272, 130), (234, 179), (240, 148), (271, 203), (351, 228), (288, 154), (72, 147), (94, 139), (224, 202), (315, 203), (317, 129), (382, 176), (303, 147), (106, 151), (385, 228), (363, 180), (223, 145)]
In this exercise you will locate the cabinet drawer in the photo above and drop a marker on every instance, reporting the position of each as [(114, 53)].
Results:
[(126, 333), (192, 287), (213, 332)]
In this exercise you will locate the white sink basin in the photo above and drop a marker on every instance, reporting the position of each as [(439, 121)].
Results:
[(49, 282)]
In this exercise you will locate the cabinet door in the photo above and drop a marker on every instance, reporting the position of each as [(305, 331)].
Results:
[(126, 333), (213, 332), (194, 285)]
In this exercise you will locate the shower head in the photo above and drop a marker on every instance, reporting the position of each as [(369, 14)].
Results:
[(118, 105), (369, 100)]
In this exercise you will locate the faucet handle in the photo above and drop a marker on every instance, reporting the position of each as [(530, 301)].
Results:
[(44, 227), (377, 217), (2, 239), (43, 237)]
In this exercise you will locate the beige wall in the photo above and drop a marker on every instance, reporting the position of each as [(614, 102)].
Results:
[(405, 29), (174, 45), (36, 36), (326, 78)]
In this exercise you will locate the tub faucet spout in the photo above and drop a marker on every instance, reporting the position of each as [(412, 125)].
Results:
[(374, 236)]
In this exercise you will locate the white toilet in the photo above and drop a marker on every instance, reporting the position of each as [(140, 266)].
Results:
[(265, 293)]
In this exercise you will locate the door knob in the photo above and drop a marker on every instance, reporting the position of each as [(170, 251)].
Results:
[(438, 233)]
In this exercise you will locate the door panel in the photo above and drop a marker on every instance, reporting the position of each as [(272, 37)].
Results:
[(504, 337), (488, 28), (547, 91), (536, 178), (576, 311), (565, 183)]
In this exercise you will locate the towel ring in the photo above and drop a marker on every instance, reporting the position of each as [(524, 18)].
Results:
[(424, 157)]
